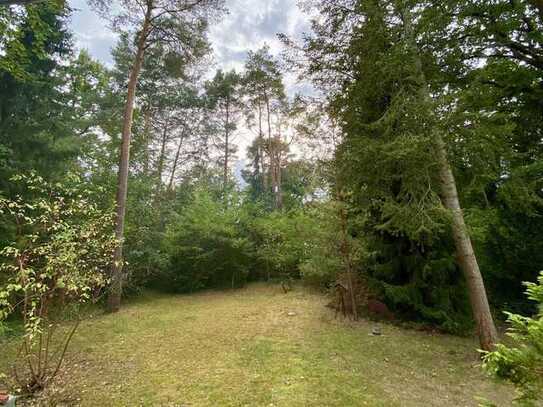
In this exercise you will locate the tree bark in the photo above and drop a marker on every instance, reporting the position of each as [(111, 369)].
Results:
[(226, 143), (146, 135), (467, 261), (161, 159), (261, 143), (176, 160), (273, 153), (465, 255), (116, 287)]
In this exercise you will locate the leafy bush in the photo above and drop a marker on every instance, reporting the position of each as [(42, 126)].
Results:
[(144, 235), (63, 245), (206, 247), (283, 242), (522, 365)]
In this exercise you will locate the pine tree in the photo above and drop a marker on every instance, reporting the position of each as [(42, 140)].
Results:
[(170, 22), (225, 101)]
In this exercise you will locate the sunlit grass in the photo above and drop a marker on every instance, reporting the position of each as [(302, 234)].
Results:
[(241, 348)]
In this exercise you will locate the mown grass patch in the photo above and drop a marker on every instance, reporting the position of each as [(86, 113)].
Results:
[(242, 348)]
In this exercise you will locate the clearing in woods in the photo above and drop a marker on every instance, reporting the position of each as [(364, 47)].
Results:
[(242, 348)]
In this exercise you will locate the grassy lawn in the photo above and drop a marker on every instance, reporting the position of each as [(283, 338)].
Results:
[(241, 348)]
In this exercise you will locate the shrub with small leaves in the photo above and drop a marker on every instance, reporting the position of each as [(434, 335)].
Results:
[(522, 363), (57, 262)]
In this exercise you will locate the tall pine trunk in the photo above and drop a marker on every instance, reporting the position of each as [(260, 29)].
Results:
[(226, 143), (278, 178), (161, 159), (273, 153), (261, 143), (176, 160), (116, 287), (147, 138), (465, 255)]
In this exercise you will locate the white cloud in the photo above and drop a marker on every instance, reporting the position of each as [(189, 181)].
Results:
[(91, 32), (248, 26)]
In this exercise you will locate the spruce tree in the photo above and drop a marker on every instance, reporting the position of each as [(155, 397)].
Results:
[(394, 156)]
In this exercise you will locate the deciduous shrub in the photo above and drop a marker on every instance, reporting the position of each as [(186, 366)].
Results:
[(57, 262)]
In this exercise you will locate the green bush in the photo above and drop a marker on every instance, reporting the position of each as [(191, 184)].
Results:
[(57, 261), (206, 247), (522, 363), (283, 242)]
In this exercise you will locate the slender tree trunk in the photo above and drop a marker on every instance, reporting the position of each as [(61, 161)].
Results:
[(278, 164), (465, 254), (226, 143), (278, 177), (162, 158), (147, 138), (272, 153), (261, 143), (116, 288), (464, 250), (275, 157), (176, 160)]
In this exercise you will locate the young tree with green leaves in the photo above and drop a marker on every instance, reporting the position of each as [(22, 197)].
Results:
[(206, 244)]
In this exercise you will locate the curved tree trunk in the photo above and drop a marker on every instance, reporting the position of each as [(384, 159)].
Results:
[(465, 254), (467, 261), (116, 287)]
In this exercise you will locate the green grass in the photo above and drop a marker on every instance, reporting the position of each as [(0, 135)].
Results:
[(240, 348)]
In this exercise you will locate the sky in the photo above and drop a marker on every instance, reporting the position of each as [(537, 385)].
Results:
[(249, 25)]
